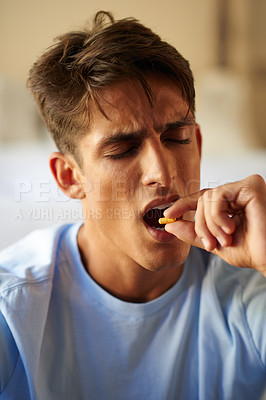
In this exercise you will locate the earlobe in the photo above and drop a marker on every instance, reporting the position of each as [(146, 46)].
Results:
[(66, 173)]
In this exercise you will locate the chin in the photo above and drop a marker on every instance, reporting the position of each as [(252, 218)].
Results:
[(167, 259)]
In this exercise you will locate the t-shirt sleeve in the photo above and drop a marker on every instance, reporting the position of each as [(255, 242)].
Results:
[(9, 354), (254, 303)]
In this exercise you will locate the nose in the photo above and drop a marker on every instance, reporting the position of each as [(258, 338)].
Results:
[(158, 166)]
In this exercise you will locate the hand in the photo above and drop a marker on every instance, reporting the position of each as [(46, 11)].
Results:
[(230, 221)]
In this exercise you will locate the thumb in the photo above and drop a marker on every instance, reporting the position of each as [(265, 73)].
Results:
[(185, 231)]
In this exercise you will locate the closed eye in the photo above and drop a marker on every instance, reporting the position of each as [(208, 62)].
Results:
[(177, 136), (178, 141), (131, 151)]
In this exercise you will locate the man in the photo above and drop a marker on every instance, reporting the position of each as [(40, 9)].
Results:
[(121, 307)]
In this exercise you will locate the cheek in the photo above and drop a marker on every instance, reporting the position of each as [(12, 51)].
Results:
[(113, 185), (192, 184), (188, 179), (191, 173), (123, 182)]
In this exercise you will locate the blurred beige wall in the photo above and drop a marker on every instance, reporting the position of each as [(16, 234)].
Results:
[(27, 27), (230, 100)]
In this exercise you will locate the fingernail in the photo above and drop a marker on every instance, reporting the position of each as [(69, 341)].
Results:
[(206, 243), (221, 240), (166, 213), (226, 230)]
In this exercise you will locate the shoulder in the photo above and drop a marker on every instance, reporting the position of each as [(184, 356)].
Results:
[(241, 297), (27, 275), (243, 284), (227, 279), (31, 259), (9, 354)]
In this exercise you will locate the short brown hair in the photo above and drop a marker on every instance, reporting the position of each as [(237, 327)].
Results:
[(71, 73)]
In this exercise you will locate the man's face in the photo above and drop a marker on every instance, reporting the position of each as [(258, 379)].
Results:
[(140, 158)]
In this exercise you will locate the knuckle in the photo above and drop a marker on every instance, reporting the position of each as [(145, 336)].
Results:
[(255, 181), (207, 196), (258, 179), (255, 186)]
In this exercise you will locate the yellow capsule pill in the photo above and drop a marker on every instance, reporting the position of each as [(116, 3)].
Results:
[(163, 221)]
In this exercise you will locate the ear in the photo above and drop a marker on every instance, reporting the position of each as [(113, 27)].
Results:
[(67, 175), (199, 139)]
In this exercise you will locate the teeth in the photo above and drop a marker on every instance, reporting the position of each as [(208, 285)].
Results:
[(159, 229), (162, 206)]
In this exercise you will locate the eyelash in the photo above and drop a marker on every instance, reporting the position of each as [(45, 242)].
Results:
[(132, 150), (181, 141)]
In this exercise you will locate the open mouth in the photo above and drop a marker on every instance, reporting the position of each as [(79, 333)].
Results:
[(152, 216)]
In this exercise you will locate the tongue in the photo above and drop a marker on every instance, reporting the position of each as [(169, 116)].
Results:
[(152, 217)]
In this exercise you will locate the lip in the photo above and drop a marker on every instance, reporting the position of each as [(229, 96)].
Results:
[(159, 201), (159, 236)]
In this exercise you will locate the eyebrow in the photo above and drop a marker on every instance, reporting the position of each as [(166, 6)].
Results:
[(186, 121), (120, 137), (123, 137)]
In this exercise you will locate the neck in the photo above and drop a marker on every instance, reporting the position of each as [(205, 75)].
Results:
[(124, 278)]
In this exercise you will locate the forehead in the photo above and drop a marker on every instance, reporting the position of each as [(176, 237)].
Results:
[(127, 108)]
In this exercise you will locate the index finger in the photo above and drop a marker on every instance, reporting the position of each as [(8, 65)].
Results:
[(184, 204)]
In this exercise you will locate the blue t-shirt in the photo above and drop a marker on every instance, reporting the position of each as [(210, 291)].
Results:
[(63, 337)]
